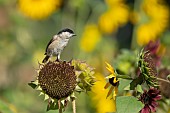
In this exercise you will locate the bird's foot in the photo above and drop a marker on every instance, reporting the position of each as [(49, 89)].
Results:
[(57, 60), (70, 60)]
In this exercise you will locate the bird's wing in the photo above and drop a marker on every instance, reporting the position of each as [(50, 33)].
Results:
[(48, 45)]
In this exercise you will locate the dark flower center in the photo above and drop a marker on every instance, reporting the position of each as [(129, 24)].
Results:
[(57, 79), (111, 81), (146, 99)]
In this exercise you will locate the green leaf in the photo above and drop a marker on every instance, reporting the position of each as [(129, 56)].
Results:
[(139, 88), (32, 84), (135, 82), (128, 104), (52, 106), (123, 83), (124, 77)]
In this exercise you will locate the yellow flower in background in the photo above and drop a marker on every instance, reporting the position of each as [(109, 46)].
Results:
[(161, 50), (133, 17), (37, 57), (158, 19), (38, 9), (156, 11), (112, 3), (145, 33), (102, 104), (159, 13), (106, 24), (112, 18), (90, 38)]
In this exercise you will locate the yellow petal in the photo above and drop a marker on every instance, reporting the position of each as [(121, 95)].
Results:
[(110, 91), (99, 94), (111, 76), (107, 85), (109, 68), (115, 80), (114, 105), (115, 92)]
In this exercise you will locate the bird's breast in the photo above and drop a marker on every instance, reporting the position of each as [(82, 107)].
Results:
[(58, 45)]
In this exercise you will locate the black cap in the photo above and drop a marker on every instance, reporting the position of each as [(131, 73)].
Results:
[(66, 30)]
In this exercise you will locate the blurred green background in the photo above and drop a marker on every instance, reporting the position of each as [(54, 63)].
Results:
[(102, 28)]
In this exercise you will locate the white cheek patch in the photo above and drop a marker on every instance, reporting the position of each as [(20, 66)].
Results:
[(66, 34)]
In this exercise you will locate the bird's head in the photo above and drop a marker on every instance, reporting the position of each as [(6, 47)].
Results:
[(66, 33)]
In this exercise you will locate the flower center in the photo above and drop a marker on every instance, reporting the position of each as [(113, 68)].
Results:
[(57, 79), (111, 81)]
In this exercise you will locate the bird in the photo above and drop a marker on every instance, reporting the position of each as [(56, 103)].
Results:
[(58, 43)]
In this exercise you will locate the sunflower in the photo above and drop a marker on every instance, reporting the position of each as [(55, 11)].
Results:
[(38, 9), (147, 67), (101, 103), (58, 81), (158, 18), (113, 82), (90, 38), (112, 19)]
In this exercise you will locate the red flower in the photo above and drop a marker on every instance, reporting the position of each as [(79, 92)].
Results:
[(153, 47), (149, 98)]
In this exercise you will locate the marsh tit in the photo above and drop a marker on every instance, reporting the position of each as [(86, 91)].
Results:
[(57, 44)]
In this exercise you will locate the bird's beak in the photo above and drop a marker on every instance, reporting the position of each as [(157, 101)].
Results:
[(74, 35)]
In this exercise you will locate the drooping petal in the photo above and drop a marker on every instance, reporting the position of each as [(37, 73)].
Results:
[(107, 85), (115, 93), (145, 110), (110, 91), (152, 108)]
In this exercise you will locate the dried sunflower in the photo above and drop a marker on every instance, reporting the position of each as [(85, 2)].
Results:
[(58, 81), (147, 68)]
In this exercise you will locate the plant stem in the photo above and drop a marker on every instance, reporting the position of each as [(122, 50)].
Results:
[(74, 105), (59, 106), (160, 79), (124, 77), (60, 110)]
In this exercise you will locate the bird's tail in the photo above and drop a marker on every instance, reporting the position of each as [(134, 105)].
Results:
[(45, 59)]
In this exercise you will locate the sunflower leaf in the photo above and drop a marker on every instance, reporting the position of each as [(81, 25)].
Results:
[(32, 84), (52, 106), (135, 82), (124, 84), (128, 104)]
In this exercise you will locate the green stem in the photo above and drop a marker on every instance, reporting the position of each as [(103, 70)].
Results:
[(163, 80), (60, 110), (59, 107), (74, 105), (124, 77)]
